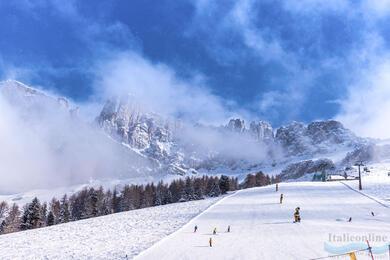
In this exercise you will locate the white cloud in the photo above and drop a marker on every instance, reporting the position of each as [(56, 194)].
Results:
[(366, 110), (158, 89)]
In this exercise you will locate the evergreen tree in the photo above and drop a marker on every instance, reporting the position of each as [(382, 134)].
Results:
[(55, 208), (174, 191), (224, 184), (198, 189), (32, 215), (213, 188), (64, 211), (43, 214), (3, 225), (92, 204), (189, 190), (50, 219), (116, 202), (159, 194)]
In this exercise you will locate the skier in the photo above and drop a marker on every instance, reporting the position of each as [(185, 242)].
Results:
[(277, 187), (228, 228), (350, 219), (372, 213), (297, 217), (215, 231), (281, 198), (196, 228), (211, 242)]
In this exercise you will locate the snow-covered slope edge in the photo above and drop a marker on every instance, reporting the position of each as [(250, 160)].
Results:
[(107, 237)]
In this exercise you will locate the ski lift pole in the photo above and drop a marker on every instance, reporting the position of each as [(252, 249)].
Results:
[(360, 175), (369, 249)]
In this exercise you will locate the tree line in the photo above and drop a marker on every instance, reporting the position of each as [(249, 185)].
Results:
[(91, 202)]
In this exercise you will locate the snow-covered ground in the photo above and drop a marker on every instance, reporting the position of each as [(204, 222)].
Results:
[(261, 228), (376, 183), (108, 237)]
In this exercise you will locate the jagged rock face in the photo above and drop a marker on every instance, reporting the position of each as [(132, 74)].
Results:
[(293, 137), (151, 134), (123, 119), (261, 131), (329, 131), (297, 170), (236, 125), (317, 137)]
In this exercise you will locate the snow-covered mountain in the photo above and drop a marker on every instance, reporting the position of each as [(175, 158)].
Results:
[(158, 144), (175, 145)]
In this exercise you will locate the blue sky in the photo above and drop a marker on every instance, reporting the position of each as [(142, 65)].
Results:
[(268, 60)]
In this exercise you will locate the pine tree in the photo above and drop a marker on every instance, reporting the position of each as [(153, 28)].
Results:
[(55, 208), (64, 211), (50, 219), (159, 194), (224, 184), (3, 225), (43, 214), (32, 215), (198, 189), (92, 201), (189, 190), (213, 188), (116, 202)]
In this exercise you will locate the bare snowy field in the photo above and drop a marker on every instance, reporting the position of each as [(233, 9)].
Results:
[(108, 237)]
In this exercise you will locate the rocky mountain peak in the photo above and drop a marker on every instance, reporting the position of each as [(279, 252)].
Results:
[(236, 125), (261, 131)]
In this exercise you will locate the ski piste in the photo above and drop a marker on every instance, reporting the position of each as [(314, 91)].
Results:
[(263, 228)]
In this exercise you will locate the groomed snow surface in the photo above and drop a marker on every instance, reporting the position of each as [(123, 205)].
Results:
[(261, 228)]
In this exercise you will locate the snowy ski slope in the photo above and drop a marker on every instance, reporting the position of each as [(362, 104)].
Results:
[(261, 228), (108, 237)]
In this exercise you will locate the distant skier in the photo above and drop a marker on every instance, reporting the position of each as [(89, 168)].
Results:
[(211, 242), (281, 198), (196, 228), (277, 187), (372, 213), (350, 219), (215, 231), (297, 217), (228, 229)]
